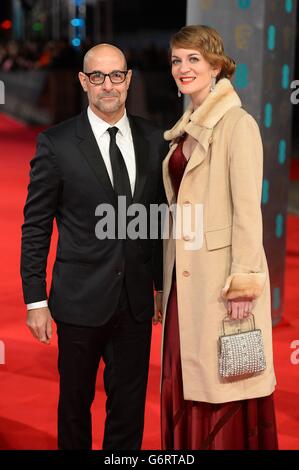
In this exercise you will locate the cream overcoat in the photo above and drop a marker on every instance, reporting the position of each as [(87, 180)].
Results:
[(221, 188)]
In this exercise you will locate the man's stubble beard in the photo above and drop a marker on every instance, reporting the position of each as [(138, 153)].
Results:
[(108, 107)]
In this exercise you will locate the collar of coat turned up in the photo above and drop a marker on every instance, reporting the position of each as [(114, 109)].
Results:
[(218, 102)]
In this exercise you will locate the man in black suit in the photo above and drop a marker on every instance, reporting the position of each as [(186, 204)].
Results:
[(101, 296)]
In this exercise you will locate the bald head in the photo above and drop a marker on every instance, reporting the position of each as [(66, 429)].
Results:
[(105, 52), (108, 98)]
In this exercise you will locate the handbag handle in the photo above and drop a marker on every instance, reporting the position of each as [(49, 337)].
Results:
[(250, 318)]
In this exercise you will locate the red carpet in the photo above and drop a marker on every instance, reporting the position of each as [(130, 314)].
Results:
[(29, 380)]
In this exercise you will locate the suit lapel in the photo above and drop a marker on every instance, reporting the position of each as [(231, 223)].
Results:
[(89, 148), (141, 147)]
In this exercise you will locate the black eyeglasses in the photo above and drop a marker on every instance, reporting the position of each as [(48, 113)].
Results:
[(98, 78)]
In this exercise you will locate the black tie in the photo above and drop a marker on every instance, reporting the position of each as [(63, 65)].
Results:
[(121, 180)]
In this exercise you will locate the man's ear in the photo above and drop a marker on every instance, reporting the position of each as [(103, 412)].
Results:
[(82, 79), (128, 78)]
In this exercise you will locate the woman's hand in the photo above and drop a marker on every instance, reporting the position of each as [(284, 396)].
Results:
[(239, 308)]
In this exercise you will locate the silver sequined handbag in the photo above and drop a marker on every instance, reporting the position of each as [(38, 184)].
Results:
[(241, 351)]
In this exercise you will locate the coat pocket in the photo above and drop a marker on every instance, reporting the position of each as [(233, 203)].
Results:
[(216, 239)]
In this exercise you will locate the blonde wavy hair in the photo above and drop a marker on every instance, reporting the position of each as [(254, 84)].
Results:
[(209, 43)]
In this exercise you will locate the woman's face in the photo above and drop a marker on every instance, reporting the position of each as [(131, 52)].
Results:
[(192, 73)]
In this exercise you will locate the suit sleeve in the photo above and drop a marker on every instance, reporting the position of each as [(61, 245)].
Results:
[(246, 278), (39, 212), (158, 244)]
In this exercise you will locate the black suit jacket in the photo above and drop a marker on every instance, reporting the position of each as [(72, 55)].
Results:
[(68, 180)]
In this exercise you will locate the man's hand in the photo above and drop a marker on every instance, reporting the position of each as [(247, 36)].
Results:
[(157, 318), (39, 321), (239, 308)]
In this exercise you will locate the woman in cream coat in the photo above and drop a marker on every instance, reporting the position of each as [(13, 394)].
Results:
[(214, 262)]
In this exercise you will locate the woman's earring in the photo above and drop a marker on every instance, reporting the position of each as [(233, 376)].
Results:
[(213, 83), (179, 93)]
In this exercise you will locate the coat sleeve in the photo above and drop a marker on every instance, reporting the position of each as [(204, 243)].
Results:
[(246, 277), (39, 212), (158, 244)]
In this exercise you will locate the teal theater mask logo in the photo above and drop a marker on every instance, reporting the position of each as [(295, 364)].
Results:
[(244, 4), (241, 77)]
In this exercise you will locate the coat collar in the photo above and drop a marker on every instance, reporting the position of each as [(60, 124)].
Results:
[(200, 125), (208, 114)]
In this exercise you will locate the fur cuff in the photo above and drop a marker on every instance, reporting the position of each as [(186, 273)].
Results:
[(248, 285)]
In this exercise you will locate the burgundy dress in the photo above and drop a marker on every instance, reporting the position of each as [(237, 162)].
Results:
[(191, 425)]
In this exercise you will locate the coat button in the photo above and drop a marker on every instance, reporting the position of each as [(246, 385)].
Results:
[(187, 238), (210, 140), (186, 273)]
